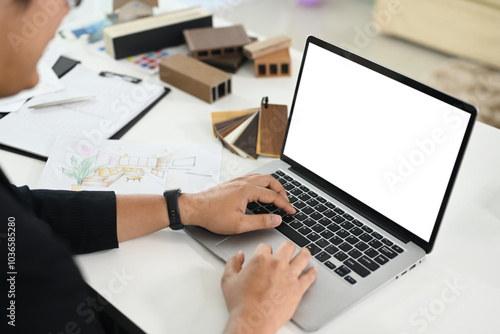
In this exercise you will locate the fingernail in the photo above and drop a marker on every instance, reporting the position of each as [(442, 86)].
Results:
[(276, 220)]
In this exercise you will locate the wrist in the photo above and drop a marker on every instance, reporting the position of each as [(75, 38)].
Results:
[(249, 321), (186, 209)]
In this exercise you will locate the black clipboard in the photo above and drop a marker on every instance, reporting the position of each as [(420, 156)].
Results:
[(62, 66)]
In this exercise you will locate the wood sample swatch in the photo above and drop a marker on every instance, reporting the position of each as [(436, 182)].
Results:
[(223, 125), (247, 140), (273, 120), (226, 128), (263, 48), (220, 116), (251, 132), (195, 77), (206, 43), (231, 126)]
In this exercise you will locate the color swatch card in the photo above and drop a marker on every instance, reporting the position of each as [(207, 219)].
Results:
[(147, 62), (252, 132), (272, 127), (228, 124)]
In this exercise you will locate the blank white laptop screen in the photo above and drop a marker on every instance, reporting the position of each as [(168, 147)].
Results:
[(384, 143)]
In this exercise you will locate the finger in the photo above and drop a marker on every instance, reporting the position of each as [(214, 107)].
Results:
[(258, 222), (277, 186), (285, 251), (300, 261), (247, 178), (233, 265), (308, 278), (263, 249), (266, 195), (267, 181), (250, 176)]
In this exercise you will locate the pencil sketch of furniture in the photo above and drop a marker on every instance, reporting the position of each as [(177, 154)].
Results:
[(104, 177), (161, 167), (131, 168)]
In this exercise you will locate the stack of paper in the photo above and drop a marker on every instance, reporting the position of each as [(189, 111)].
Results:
[(117, 103)]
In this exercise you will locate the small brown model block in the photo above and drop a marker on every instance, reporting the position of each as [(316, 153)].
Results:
[(228, 64), (204, 43), (273, 65), (195, 77), (263, 48)]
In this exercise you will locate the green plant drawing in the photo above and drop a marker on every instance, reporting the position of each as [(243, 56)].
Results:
[(80, 169)]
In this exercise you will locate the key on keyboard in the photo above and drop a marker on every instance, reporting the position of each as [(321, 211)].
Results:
[(329, 232)]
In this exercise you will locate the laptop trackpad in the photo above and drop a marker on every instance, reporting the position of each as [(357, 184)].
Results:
[(247, 242)]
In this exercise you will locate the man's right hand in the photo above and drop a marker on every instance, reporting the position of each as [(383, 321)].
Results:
[(222, 209), (264, 294)]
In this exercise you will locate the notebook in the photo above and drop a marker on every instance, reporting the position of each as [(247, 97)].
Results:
[(369, 161)]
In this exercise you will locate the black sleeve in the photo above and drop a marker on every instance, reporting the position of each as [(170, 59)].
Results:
[(42, 289), (85, 220)]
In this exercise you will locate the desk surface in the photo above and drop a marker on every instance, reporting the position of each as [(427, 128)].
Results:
[(168, 283)]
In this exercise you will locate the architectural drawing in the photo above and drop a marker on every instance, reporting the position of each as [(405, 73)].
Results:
[(126, 167)]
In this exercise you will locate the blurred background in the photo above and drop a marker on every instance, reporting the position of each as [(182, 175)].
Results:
[(452, 45)]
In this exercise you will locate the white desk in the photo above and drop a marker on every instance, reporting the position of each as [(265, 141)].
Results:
[(171, 284)]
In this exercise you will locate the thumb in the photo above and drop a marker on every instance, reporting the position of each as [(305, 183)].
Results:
[(234, 264), (259, 221)]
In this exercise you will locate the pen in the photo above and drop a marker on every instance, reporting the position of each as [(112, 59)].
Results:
[(65, 101), (124, 77)]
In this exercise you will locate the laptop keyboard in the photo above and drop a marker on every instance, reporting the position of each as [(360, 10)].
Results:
[(335, 238)]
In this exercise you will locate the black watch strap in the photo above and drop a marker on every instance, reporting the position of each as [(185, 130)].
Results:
[(172, 198)]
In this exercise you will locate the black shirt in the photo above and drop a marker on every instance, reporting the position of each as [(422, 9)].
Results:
[(41, 229)]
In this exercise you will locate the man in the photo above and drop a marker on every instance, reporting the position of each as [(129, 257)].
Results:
[(46, 227)]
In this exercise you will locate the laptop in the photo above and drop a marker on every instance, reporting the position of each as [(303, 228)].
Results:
[(369, 160)]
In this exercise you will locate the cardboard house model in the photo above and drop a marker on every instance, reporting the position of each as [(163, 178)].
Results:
[(129, 10)]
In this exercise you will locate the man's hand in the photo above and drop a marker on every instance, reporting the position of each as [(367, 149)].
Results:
[(262, 296), (221, 209)]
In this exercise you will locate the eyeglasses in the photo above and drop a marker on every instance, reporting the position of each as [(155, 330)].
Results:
[(73, 3), (108, 74)]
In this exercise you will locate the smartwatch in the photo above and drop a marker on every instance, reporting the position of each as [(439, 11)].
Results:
[(172, 198)]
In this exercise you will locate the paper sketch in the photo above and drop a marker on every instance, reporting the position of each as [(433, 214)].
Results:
[(126, 167)]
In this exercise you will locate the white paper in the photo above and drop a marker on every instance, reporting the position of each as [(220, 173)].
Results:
[(117, 102), (132, 168), (12, 107)]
